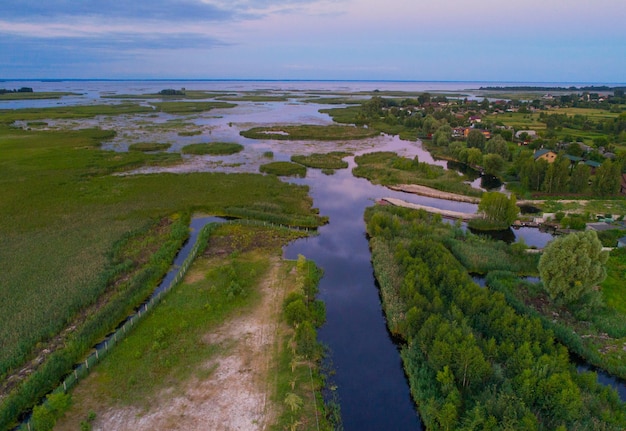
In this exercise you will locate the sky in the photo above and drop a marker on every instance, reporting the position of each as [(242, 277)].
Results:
[(578, 41)]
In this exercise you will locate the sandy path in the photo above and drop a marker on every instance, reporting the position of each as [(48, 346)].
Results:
[(433, 193), (236, 395), (444, 213)]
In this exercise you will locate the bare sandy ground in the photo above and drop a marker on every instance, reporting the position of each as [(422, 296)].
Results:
[(235, 395), (433, 193)]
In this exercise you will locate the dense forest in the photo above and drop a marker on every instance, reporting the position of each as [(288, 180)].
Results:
[(472, 361)]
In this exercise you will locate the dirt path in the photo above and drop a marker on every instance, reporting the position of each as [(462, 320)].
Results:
[(443, 213), (433, 193), (236, 395)]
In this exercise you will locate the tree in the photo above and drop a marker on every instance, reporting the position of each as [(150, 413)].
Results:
[(579, 181), (474, 157), (607, 179), (497, 145), (476, 139), (499, 208), (441, 138), (493, 164), (532, 173), (572, 265), (557, 176)]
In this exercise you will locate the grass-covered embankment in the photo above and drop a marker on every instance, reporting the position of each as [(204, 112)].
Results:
[(309, 132), (471, 360), (62, 214), (387, 168), (193, 335)]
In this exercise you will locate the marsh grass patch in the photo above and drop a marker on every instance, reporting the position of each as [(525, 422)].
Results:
[(213, 149)]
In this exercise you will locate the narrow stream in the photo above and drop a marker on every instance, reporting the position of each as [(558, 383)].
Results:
[(371, 385)]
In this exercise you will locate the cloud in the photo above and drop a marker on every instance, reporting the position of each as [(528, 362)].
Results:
[(169, 10)]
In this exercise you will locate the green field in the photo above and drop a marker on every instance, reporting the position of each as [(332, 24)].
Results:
[(63, 212)]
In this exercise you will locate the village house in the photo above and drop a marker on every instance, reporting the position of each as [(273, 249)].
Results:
[(485, 133), (547, 155), (531, 133)]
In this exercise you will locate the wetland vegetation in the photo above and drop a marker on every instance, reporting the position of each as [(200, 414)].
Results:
[(212, 148), (148, 146), (58, 196), (332, 160), (284, 169), (309, 132), (472, 361)]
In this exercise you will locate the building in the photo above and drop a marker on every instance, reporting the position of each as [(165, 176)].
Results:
[(547, 155)]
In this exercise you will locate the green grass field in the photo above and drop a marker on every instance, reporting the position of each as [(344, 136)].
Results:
[(62, 212)]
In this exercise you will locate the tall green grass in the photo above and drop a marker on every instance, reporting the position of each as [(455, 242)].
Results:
[(387, 168), (62, 213), (213, 148), (309, 132), (332, 160)]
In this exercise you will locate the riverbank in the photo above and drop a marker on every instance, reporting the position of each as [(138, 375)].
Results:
[(433, 193), (444, 213)]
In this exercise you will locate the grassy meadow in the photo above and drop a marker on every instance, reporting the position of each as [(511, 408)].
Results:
[(173, 346), (387, 168), (63, 213)]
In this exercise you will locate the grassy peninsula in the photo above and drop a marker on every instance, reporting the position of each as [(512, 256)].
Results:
[(94, 236)]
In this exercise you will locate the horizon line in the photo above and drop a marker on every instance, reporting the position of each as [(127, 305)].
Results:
[(300, 80)]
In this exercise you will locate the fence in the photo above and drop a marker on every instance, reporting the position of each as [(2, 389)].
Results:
[(82, 369)]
